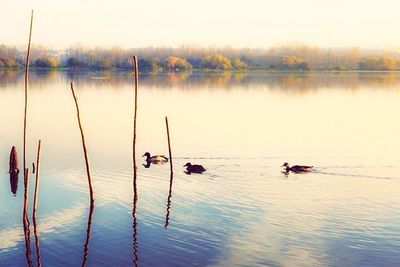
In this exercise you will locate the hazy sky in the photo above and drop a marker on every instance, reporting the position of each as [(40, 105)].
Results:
[(252, 23)]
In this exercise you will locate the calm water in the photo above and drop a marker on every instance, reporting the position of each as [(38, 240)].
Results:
[(243, 211)]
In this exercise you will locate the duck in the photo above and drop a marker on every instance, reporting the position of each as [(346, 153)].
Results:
[(192, 168), (157, 159), (296, 168)]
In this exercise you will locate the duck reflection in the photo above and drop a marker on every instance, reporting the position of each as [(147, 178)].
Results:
[(156, 159), (88, 229), (169, 201), (147, 165)]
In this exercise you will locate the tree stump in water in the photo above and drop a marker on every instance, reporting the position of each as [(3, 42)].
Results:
[(14, 161)]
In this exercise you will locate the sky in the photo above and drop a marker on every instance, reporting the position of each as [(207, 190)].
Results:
[(244, 23)]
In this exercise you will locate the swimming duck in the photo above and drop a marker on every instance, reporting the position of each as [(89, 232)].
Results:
[(157, 159), (296, 168), (194, 168)]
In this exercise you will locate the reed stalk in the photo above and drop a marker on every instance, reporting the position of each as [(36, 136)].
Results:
[(36, 180), (171, 176), (169, 146), (83, 146), (135, 195), (169, 202), (28, 53), (135, 61)]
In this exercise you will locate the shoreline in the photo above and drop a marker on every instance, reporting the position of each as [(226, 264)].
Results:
[(194, 70)]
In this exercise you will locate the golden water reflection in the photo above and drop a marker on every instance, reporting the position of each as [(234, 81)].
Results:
[(292, 81)]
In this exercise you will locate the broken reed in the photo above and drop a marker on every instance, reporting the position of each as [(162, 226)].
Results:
[(83, 146), (169, 146), (36, 180)]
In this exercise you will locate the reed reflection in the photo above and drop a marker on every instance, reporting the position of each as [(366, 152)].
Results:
[(169, 200), (25, 220), (171, 175), (87, 240), (37, 243), (35, 231), (134, 227)]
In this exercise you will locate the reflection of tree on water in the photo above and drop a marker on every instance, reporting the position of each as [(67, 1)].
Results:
[(8, 77), (292, 82), (379, 78), (176, 77)]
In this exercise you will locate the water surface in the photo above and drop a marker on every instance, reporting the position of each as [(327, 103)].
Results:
[(241, 126)]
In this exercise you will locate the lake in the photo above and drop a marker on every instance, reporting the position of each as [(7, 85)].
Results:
[(243, 211)]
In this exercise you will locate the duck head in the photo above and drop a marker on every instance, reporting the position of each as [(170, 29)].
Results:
[(285, 164), (187, 164), (147, 154)]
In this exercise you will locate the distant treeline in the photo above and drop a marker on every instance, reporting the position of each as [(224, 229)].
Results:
[(294, 57)]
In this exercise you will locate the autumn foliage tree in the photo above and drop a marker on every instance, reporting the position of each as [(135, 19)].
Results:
[(46, 62), (287, 57), (217, 62), (293, 62), (9, 63), (237, 63), (176, 63), (378, 63), (74, 62), (103, 64)]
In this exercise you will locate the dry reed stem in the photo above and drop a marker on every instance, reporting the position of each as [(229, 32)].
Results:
[(28, 53), (135, 61), (83, 146), (36, 180)]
